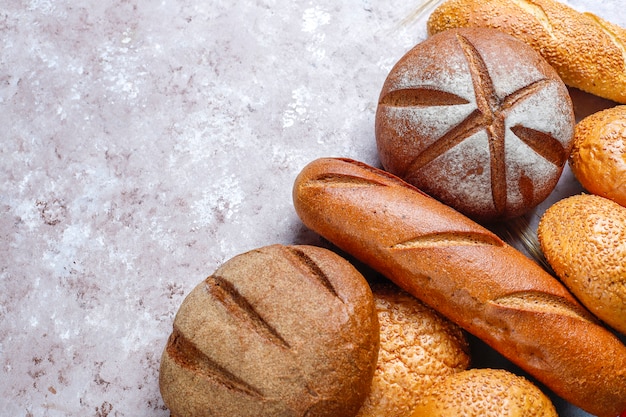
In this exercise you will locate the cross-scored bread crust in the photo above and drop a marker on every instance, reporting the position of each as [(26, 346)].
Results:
[(477, 119)]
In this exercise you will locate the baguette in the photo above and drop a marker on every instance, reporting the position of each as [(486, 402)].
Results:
[(467, 274), (587, 51)]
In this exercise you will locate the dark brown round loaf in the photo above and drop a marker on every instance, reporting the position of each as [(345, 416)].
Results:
[(477, 119), (277, 331)]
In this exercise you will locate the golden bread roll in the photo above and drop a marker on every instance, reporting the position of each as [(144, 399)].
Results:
[(418, 348), (469, 275), (277, 331), (485, 393), (583, 238), (586, 51), (478, 120), (598, 158)]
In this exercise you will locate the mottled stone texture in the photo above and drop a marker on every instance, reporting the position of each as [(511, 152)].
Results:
[(143, 143)]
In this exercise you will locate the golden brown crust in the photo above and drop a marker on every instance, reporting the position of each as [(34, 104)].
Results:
[(418, 348), (281, 330), (469, 275), (478, 120), (588, 52), (485, 393), (598, 157), (583, 240)]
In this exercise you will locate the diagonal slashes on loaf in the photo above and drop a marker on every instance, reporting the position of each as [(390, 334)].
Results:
[(342, 180), (539, 13), (545, 145), (334, 179), (237, 305), (541, 303), (544, 19), (468, 127), (489, 117), (303, 260), (614, 37), (425, 96), (484, 90), (188, 356), (447, 239)]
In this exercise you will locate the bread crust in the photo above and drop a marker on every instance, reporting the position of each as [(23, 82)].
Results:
[(419, 348), (598, 157), (477, 119), (277, 331), (587, 51), (469, 275), (583, 237), (485, 393)]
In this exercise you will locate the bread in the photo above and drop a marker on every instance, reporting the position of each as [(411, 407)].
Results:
[(478, 120), (583, 238), (485, 393), (277, 331), (418, 349), (598, 157), (586, 51), (467, 274)]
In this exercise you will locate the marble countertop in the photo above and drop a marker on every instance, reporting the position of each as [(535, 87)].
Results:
[(143, 144)]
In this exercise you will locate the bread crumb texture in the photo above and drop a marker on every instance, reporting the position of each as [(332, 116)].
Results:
[(598, 158), (584, 240), (485, 393), (418, 348)]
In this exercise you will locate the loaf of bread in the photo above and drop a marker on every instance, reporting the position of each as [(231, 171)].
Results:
[(583, 238), (277, 331), (598, 157), (478, 120), (485, 393), (587, 51), (419, 348), (469, 275)]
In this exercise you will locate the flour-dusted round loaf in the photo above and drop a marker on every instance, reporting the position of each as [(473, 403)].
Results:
[(478, 120), (418, 349), (277, 331)]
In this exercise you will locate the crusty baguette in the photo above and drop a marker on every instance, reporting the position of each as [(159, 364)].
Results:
[(469, 275), (587, 51)]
